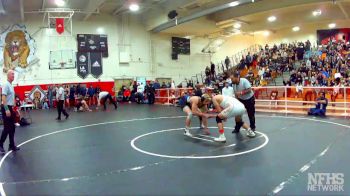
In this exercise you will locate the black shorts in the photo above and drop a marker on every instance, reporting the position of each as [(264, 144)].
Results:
[(79, 104), (187, 104)]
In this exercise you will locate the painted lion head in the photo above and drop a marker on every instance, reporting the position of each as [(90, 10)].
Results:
[(16, 48), (37, 95)]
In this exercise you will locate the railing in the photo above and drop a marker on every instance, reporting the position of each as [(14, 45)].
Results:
[(286, 100), (235, 59)]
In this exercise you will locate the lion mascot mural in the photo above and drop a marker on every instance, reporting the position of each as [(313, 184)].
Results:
[(15, 49)]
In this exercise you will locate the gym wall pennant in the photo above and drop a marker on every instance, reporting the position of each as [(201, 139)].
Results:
[(60, 25), (83, 64), (96, 64)]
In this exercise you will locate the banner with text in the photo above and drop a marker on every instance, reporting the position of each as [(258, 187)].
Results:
[(83, 64)]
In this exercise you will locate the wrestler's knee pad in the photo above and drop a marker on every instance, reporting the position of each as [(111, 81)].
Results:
[(189, 116), (218, 119), (240, 123)]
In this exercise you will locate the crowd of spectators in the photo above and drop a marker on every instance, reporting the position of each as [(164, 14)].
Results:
[(324, 65)]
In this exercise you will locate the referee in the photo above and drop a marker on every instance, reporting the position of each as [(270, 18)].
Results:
[(8, 115), (244, 93)]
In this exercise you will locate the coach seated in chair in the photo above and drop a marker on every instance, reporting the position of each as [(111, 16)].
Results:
[(321, 105)]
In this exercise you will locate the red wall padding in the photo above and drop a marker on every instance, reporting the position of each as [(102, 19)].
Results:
[(105, 86)]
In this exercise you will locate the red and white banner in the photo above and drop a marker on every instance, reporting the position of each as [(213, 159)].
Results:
[(60, 25)]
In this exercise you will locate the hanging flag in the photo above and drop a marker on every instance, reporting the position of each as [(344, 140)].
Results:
[(83, 61), (60, 25), (96, 64)]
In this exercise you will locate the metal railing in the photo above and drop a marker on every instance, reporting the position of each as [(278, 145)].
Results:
[(279, 99)]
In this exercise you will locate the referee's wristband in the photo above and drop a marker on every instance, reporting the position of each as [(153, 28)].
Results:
[(6, 107)]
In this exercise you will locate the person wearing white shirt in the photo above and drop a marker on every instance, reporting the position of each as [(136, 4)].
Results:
[(172, 85), (299, 89), (308, 63), (102, 97), (140, 88), (139, 93), (228, 80), (8, 115), (227, 90), (60, 101)]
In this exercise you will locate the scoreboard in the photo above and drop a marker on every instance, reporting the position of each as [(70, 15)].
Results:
[(180, 45), (93, 43)]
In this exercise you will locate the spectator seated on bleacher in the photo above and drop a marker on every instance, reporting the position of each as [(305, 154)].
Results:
[(321, 105)]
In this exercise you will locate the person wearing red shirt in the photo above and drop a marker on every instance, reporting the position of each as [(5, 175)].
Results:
[(126, 95)]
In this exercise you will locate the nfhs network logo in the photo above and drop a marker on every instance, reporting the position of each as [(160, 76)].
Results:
[(325, 182)]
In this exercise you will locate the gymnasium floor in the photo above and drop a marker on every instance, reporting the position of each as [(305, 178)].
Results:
[(141, 150)]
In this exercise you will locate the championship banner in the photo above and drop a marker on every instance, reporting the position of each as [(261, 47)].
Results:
[(96, 64), (82, 64)]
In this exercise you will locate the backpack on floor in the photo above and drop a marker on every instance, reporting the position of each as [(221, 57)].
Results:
[(24, 122)]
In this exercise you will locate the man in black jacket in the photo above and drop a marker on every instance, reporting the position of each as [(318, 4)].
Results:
[(150, 91)]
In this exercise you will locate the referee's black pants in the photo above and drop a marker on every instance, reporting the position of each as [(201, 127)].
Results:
[(60, 109), (249, 105), (9, 127)]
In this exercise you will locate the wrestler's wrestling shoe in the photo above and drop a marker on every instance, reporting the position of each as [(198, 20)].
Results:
[(187, 132), (221, 138), (250, 133)]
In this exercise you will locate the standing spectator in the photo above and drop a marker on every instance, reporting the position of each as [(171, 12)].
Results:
[(50, 96), (184, 83), (60, 105), (172, 86), (163, 85), (150, 91), (72, 96), (190, 84), (156, 85), (248, 60), (91, 93), (83, 91), (227, 90), (207, 73), (78, 89), (8, 115), (66, 95), (227, 63), (212, 71), (221, 85)]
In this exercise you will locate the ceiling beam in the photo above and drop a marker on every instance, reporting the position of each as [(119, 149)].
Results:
[(43, 4), (199, 14), (259, 6), (93, 6), (341, 7), (21, 8), (119, 10)]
